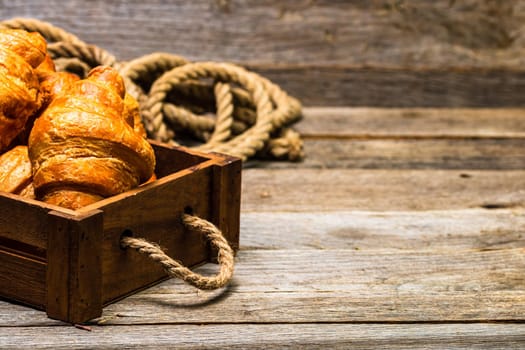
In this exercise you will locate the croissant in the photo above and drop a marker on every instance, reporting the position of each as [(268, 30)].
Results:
[(82, 149), (52, 83), (20, 53), (15, 172), (132, 114)]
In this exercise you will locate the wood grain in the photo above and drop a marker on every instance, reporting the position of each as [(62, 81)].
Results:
[(73, 286), (469, 33), (380, 86), (23, 278), (23, 220), (409, 153), (411, 123), (328, 53), (343, 285), (362, 230), (279, 190), (402, 229), (271, 336), (410, 138)]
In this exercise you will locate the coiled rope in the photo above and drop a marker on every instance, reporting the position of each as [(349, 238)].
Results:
[(210, 106)]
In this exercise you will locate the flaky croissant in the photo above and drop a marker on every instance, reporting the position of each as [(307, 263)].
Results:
[(15, 172), (20, 53), (132, 115), (82, 149), (52, 84)]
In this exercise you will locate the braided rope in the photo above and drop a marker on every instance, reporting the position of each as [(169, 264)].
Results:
[(47, 30), (140, 73), (286, 145), (180, 118), (90, 54), (248, 142), (173, 268), (72, 65), (222, 130)]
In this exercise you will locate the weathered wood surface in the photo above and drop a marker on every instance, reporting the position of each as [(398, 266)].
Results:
[(412, 123), (375, 53), (412, 138), (284, 336), (403, 228), (383, 189), (392, 230), (409, 254), (331, 32)]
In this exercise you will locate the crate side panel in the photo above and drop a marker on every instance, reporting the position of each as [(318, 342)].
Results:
[(74, 275), (173, 159), (23, 279), (23, 221), (226, 199), (154, 214)]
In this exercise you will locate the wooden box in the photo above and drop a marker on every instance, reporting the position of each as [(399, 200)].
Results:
[(71, 264)]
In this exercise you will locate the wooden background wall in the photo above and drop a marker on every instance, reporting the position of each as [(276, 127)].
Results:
[(326, 52)]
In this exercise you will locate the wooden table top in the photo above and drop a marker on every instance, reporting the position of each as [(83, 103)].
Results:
[(401, 228)]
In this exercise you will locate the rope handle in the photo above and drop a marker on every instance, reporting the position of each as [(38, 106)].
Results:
[(175, 269)]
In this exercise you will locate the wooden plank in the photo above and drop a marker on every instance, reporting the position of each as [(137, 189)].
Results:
[(226, 200), (410, 138), (23, 279), (379, 86), (23, 220), (361, 230), (154, 214), (271, 336), (364, 231), (13, 314), (411, 123), (474, 33), (318, 286), (74, 266), (276, 190), (460, 153), (326, 53)]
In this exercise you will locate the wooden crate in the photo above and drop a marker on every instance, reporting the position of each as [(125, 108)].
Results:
[(70, 263)]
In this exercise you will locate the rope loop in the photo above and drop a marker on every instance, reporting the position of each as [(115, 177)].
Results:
[(50, 32), (92, 55), (174, 268)]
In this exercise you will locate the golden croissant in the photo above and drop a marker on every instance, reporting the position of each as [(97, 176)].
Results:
[(83, 147), (15, 172), (20, 53), (52, 84)]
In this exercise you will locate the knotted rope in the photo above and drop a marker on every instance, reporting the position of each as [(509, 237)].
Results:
[(209, 106), (175, 269)]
